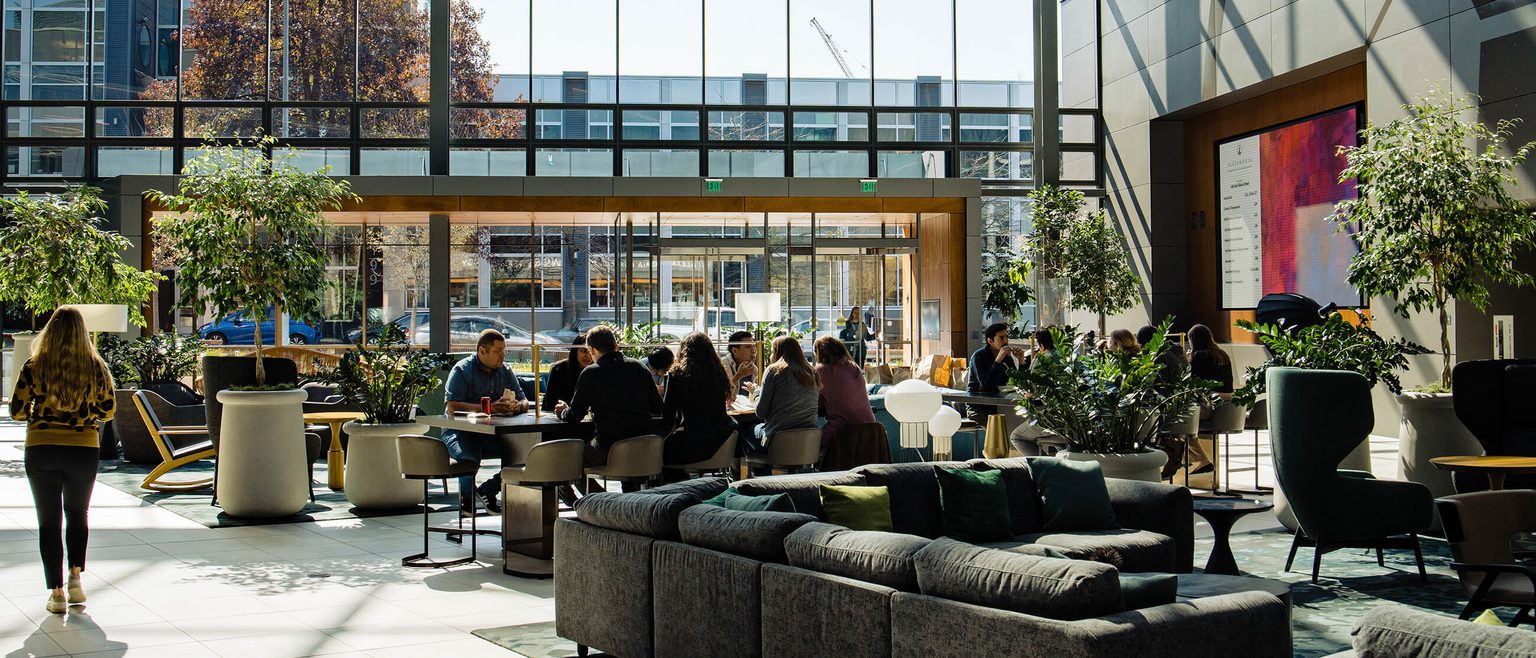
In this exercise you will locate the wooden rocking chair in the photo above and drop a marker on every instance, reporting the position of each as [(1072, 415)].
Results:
[(171, 456)]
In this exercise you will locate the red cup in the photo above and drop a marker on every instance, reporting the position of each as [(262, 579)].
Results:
[(485, 405)]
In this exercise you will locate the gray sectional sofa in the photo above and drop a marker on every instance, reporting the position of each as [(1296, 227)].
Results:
[(655, 573)]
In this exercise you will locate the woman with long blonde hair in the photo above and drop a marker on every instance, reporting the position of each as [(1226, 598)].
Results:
[(790, 388), (64, 392)]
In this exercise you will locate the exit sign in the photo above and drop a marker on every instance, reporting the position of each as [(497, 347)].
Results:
[(868, 186), (712, 184)]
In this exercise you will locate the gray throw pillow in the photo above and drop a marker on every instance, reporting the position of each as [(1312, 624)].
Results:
[(882, 558)]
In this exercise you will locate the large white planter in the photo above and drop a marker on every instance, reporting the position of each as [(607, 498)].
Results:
[(261, 461), (1431, 429), (373, 467), (1146, 465)]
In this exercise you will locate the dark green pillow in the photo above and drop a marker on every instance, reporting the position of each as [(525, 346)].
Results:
[(1149, 590), (855, 507), (732, 500), (975, 504), (1072, 495)]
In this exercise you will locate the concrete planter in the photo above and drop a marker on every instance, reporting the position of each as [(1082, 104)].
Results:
[(1146, 465), (1431, 429), (261, 462), (373, 467)]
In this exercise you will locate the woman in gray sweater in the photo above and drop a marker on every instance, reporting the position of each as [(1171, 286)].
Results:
[(790, 387)]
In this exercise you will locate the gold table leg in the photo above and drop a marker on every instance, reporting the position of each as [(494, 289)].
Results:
[(336, 460)]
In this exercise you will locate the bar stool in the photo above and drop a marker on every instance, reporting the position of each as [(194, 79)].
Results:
[(723, 461), (637, 459), (1258, 419), (530, 505), (790, 450), (1186, 427), (425, 458), (1226, 419)]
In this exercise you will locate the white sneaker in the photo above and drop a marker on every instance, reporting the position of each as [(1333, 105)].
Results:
[(76, 593), (56, 604)]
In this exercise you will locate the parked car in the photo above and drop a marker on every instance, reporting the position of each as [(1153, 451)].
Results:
[(238, 329), (403, 322), (567, 334), (464, 330)]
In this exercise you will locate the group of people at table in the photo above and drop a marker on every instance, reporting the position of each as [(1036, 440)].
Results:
[(685, 397), (1201, 355)]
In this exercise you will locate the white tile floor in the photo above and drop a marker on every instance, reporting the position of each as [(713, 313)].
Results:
[(161, 585)]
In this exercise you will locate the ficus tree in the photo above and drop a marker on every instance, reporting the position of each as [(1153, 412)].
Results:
[(1435, 218), (53, 252), (248, 228), (1069, 242)]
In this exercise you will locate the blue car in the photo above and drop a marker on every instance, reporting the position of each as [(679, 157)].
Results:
[(237, 329)]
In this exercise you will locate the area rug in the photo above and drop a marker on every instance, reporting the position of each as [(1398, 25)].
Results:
[(194, 505), (531, 640), (1351, 583)]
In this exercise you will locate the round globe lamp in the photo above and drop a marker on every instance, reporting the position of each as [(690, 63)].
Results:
[(913, 403), (942, 426)]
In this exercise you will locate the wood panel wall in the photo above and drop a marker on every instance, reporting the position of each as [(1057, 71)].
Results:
[(1337, 89), (941, 270)]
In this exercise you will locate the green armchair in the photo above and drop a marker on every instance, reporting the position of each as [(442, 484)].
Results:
[(1316, 418)]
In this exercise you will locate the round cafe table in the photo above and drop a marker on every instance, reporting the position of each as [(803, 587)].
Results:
[(1494, 466), (335, 460), (1222, 513)]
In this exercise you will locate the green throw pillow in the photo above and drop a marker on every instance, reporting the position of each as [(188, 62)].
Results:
[(975, 504), (1072, 495), (1149, 591), (733, 500), (857, 508)]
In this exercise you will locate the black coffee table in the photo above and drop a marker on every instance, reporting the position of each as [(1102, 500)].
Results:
[(1222, 514)]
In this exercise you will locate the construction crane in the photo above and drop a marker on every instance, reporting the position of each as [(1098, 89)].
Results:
[(832, 48)]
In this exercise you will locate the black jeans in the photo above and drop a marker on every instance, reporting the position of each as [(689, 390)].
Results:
[(61, 478)]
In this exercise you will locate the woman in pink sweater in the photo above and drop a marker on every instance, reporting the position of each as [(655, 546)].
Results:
[(844, 398)]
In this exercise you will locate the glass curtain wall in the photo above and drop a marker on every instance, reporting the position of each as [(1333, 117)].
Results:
[(845, 88)]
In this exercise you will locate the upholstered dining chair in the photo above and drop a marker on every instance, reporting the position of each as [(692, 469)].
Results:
[(1316, 418), (790, 450), (635, 462), (725, 460), (1479, 527), (425, 458)]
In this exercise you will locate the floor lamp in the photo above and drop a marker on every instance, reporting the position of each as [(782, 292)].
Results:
[(913, 403), (758, 307)]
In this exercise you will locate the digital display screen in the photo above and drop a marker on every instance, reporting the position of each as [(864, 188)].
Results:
[(1275, 191)]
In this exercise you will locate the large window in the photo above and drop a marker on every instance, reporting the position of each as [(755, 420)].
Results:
[(799, 88)]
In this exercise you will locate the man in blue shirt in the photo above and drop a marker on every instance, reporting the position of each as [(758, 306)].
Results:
[(483, 375)]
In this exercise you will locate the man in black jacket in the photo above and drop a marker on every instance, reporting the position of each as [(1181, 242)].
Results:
[(618, 391)]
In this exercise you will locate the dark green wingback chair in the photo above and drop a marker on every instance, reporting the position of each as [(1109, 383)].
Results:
[(1316, 418)]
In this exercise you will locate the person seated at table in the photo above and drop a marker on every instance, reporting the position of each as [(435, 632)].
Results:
[(790, 390), (1122, 341), (741, 363), (562, 376), (1045, 348), (843, 397), (483, 375), (1207, 361), (617, 391), (990, 366), (697, 394), (1174, 364), (659, 361)]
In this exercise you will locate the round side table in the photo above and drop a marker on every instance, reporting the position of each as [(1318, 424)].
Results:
[(1222, 514)]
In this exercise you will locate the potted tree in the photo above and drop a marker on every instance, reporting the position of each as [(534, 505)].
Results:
[(384, 381), (1005, 287), (53, 252), (247, 230), (1082, 249), (1108, 406), (1435, 221)]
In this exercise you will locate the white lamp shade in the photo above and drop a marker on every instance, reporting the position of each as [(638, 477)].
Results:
[(110, 318), (945, 422), (757, 306), (913, 401)]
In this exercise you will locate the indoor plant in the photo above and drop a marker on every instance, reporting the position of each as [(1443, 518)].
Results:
[(1082, 248), (1436, 222), (247, 231), (52, 253), (1336, 344), (383, 381), (1005, 288), (1108, 405)]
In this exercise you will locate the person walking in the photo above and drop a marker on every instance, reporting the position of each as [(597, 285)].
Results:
[(64, 393)]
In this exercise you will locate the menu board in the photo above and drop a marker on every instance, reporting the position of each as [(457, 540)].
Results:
[(1241, 194)]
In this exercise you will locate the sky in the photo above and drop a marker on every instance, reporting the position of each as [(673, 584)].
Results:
[(912, 37)]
